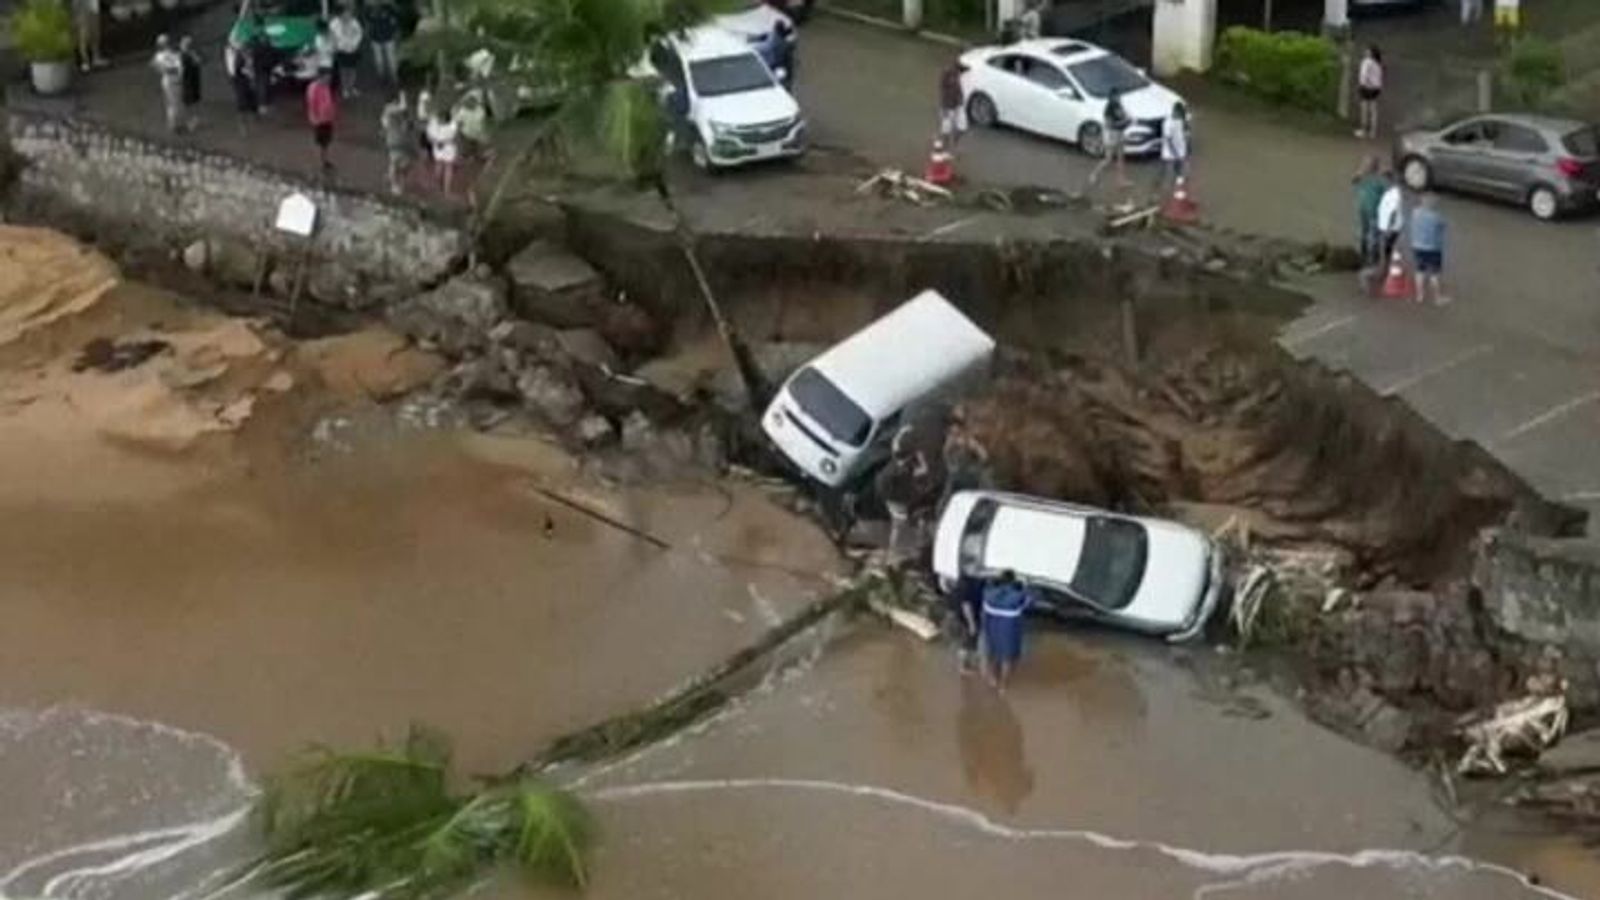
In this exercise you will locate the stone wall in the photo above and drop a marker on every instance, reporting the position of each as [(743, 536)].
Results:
[(94, 178)]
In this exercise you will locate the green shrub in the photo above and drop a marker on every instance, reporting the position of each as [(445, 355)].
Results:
[(1531, 70), (1287, 67), (42, 31)]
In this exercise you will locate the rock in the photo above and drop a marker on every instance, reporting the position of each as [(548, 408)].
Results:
[(194, 256), (326, 284), (233, 263), (594, 430), (587, 346), (528, 338), (710, 450), (551, 395), (619, 395), (483, 377), (552, 285), (631, 329), (280, 282), (1576, 753), (457, 316), (637, 432)]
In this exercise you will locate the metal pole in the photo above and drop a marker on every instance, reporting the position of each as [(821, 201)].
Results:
[(1485, 90)]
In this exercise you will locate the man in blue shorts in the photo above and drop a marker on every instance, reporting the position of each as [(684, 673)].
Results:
[(1427, 248)]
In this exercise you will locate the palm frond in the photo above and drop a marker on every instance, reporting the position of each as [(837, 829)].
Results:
[(632, 128), (386, 823)]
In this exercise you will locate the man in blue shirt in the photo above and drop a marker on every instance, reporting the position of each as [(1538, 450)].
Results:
[(1004, 603), (1427, 247)]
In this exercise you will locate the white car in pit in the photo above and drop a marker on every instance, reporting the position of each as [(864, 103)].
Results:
[(1057, 88), (1147, 575)]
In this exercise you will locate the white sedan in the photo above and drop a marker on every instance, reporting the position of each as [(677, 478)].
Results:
[(1058, 88), (1148, 575)]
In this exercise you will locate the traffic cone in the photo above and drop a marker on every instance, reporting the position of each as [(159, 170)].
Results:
[(1179, 207), (941, 168), (1398, 284)]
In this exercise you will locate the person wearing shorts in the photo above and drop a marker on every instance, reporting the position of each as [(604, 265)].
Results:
[(322, 110), (1369, 88), (1115, 127), (1427, 247), (951, 100)]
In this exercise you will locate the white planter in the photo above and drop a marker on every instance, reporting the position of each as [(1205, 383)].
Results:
[(50, 78)]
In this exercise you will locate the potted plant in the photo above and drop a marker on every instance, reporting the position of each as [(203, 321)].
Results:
[(41, 30)]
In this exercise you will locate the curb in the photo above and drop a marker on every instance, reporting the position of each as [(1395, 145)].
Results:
[(861, 18)]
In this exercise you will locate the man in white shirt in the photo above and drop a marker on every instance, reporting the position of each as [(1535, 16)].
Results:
[(169, 67), (347, 37), (1391, 216)]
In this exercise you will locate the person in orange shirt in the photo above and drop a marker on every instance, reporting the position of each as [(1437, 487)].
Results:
[(322, 111)]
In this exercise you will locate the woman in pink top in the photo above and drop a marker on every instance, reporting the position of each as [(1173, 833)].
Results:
[(1369, 87), (322, 110)]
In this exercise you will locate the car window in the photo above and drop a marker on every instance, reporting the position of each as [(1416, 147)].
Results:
[(1099, 76), (1044, 75), (1519, 139), (830, 407), (1585, 142), (975, 536), (1111, 564), (734, 74), (1009, 62)]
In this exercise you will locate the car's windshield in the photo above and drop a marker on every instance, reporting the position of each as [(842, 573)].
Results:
[(828, 406), (1100, 75), (1584, 142), (1111, 565), (729, 75)]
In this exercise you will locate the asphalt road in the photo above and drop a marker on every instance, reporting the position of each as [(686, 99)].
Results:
[(874, 92)]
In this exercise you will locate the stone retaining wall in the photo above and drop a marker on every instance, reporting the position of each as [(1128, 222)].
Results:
[(94, 178)]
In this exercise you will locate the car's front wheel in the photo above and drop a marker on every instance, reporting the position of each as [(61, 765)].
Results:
[(1544, 203), (981, 110), (1416, 173), (1092, 139), (700, 155)]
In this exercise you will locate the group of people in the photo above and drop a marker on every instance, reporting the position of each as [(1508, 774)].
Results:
[(1381, 217), (445, 135), (178, 70), (989, 616)]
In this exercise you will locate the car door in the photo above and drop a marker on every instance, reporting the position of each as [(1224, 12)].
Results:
[(1051, 99), (1512, 164), (1003, 82), (1459, 160)]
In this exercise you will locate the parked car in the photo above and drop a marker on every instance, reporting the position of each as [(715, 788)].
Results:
[(836, 415), (724, 101), (1058, 88), (1549, 165), (769, 32), (1147, 575), (290, 29)]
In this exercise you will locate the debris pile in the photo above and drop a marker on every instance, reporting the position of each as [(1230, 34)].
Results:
[(893, 184)]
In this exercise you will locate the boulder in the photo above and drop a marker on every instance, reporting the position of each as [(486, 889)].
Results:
[(1576, 754), (587, 346), (620, 395), (551, 395), (630, 329), (458, 316), (594, 430), (481, 377), (232, 262), (530, 339), (549, 284), (194, 256)]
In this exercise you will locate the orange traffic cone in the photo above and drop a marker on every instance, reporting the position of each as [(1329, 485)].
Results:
[(1398, 285), (1179, 207), (941, 168)]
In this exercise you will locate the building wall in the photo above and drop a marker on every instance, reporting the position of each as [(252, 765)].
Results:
[(174, 194)]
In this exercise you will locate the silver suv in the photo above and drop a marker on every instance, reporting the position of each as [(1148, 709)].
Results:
[(1549, 165)]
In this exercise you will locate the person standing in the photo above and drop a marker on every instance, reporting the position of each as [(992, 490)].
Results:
[(1471, 11), (1030, 25), (263, 59), (1507, 16), (1370, 186), (965, 600), (444, 141), (1004, 604), (966, 462), (347, 37), (383, 33), (322, 113), (1114, 126), (86, 17), (1427, 248), (951, 102), (1369, 88), (1391, 216), (399, 139), (1175, 146), (236, 58), (169, 69), (190, 75), (323, 56)]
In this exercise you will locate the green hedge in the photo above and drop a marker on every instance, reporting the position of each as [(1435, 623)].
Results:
[(1287, 67), (1531, 71)]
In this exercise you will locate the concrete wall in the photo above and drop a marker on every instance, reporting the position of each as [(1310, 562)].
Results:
[(1184, 32), (147, 190), (1546, 592)]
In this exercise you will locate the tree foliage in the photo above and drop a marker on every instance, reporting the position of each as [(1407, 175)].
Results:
[(386, 823)]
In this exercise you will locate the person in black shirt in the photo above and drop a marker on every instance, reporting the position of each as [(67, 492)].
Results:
[(191, 82), (383, 32)]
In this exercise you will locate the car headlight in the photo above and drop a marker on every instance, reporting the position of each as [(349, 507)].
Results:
[(829, 467), (719, 130)]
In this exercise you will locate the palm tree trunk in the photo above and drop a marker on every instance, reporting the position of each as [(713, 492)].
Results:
[(757, 391)]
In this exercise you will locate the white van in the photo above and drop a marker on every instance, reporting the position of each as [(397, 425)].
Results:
[(724, 100), (835, 415)]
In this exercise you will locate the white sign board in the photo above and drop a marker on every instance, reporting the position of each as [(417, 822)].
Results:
[(297, 215)]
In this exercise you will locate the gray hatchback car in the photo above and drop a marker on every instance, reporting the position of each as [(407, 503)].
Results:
[(1551, 166)]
